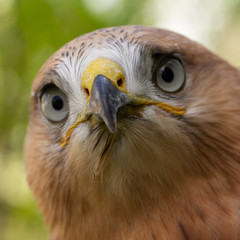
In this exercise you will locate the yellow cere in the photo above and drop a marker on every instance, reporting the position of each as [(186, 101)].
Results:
[(114, 73), (106, 67)]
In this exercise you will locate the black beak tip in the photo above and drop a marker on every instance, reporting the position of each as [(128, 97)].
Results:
[(105, 101), (112, 128)]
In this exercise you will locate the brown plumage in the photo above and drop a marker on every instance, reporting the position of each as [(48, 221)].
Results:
[(155, 149)]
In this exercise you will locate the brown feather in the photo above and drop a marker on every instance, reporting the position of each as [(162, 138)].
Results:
[(161, 176)]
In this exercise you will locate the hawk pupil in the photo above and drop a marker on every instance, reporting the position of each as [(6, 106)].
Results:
[(57, 102), (167, 74)]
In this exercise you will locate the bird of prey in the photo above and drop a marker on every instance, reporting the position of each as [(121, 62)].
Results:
[(134, 133)]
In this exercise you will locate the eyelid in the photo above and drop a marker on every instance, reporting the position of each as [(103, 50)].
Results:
[(46, 85), (159, 58), (48, 79)]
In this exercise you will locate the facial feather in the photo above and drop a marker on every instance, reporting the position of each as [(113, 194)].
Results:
[(160, 175)]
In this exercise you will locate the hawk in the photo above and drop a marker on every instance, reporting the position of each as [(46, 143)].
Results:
[(134, 133)]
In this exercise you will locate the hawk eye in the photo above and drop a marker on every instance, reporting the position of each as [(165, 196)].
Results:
[(54, 104), (170, 75)]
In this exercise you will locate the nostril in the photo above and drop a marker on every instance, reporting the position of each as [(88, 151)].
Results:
[(86, 91), (120, 82)]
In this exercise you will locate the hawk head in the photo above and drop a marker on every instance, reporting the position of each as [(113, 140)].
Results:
[(134, 132)]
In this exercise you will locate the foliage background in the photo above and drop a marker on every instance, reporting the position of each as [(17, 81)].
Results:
[(30, 31)]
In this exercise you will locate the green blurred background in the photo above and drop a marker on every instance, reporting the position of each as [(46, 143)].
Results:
[(31, 30)]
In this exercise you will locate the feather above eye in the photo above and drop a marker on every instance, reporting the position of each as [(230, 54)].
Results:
[(133, 133)]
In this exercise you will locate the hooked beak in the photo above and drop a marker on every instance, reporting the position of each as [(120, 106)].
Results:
[(105, 100), (104, 85)]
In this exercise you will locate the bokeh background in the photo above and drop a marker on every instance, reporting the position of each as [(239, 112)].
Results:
[(31, 30)]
